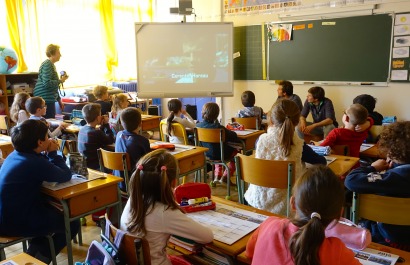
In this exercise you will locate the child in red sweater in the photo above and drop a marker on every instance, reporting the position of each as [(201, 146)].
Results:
[(317, 199)]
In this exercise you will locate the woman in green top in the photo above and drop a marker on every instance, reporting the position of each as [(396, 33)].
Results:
[(48, 82)]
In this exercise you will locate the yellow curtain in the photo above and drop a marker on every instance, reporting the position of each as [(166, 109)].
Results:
[(14, 12), (108, 36)]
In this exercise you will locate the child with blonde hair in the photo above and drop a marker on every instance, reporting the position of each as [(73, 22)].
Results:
[(152, 212), (18, 112), (119, 103)]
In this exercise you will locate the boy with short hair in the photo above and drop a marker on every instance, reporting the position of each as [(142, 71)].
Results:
[(101, 94), (129, 140), (37, 108), (91, 138), (250, 110), (355, 115)]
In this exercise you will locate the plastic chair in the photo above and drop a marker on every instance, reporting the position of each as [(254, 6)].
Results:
[(177, 130), (375, 131), (133, 250), (278, 174), (248, 122), (6, 241), (115, 161), (214, 136), (383, 209)]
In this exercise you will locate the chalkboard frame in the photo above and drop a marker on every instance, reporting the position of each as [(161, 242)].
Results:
[(306, 59)]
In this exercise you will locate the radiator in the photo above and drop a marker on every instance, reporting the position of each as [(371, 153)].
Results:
[(126, 86)]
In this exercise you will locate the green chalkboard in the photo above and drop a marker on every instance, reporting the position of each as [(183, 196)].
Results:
[(353, 49), (248, 41)]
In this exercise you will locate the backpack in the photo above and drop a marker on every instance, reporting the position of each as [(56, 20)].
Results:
[(106, 252)]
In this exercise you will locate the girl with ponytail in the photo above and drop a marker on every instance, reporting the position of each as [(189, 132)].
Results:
[(175, 112), (317, 201), (151, 211), (280, 143)]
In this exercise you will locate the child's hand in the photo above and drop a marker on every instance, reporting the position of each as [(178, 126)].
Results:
[(104, 119), (52, 145), (381, 165)]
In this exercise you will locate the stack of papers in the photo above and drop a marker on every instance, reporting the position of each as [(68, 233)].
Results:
[(369, 256)]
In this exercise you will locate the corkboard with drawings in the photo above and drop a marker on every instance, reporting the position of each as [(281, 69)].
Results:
[(400, 67)]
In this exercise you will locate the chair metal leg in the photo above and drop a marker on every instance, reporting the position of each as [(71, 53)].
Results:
[(24, 245), (2, 254), (52, 249)]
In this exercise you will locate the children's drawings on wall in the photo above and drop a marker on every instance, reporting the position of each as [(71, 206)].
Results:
[(279, 32), (401, 48), (235, 7)]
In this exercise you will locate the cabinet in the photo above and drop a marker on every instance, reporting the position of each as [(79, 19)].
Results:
[(7, 80)]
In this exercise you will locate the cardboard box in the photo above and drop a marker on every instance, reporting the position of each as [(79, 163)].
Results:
[(21, 87)]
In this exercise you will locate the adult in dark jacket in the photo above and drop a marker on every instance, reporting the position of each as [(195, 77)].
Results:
[(389, 177), (24, 210)]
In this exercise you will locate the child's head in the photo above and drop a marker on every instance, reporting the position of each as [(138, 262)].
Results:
[(91, 112), (210, 112), (174, 105), (152, 182), (285, 115), (130, 119), (119, 102), (26, 136), (318, 198), (101, 92), (248, 98), (20, 100), (356, 114), (285, 88), (316, 93), (367, 101), (36, 106), (394, 142)]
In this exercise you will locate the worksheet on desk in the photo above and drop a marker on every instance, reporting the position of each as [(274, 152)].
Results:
[(245, 132), (58, 186), (364, 147), (229, 224)]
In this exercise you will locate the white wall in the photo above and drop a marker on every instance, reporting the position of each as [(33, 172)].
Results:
[(392, 100)]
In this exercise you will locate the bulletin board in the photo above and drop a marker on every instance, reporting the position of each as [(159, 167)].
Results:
[(400, 67), (352, 49)]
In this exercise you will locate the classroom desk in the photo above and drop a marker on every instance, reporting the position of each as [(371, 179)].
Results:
[(6, 146), (343, 164), (230, 250), (85, 198), (23, 259), (150, 122), (372, 152), (403, 254), (248, 141)]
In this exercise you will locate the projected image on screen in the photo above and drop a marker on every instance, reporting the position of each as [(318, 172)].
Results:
[(179, 58)]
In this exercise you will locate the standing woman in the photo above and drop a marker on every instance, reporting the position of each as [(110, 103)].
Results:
[(48, 82)]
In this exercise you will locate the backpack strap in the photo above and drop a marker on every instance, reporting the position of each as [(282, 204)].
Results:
[(118, 237)]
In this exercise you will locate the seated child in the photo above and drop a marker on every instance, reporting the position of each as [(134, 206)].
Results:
[(355, 115), (101, 94), (37, 108), (175, 112), (129, 141), (152, 212), (18, 112), (317, 201), (369, 102), (389, 177), (119, 103), (280, 143), (210, 112), (250, 110), (91, 138)]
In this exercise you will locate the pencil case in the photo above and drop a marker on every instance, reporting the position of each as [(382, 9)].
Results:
[(164, 146), (235, 126), (353, 236), (188, 191)]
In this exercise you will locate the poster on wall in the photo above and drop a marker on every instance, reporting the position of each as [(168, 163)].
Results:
[(235, 7), (400, 56), (279, 32)]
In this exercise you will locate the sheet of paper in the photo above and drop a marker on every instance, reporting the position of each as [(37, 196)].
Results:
[(59, 186), (245, 132), (369, 256), (364, 147), (179, 148), (229, 224), (330, 159)]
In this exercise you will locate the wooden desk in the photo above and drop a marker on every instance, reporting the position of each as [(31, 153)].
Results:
[(23, 259), (248, 141), (85, 198), (343, 164), (6, 146), (150, 122), (403, 254), (372, 152)]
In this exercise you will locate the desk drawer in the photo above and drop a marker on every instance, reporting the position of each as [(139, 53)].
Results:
[(190, 163), (149, 124), (92, 200)]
